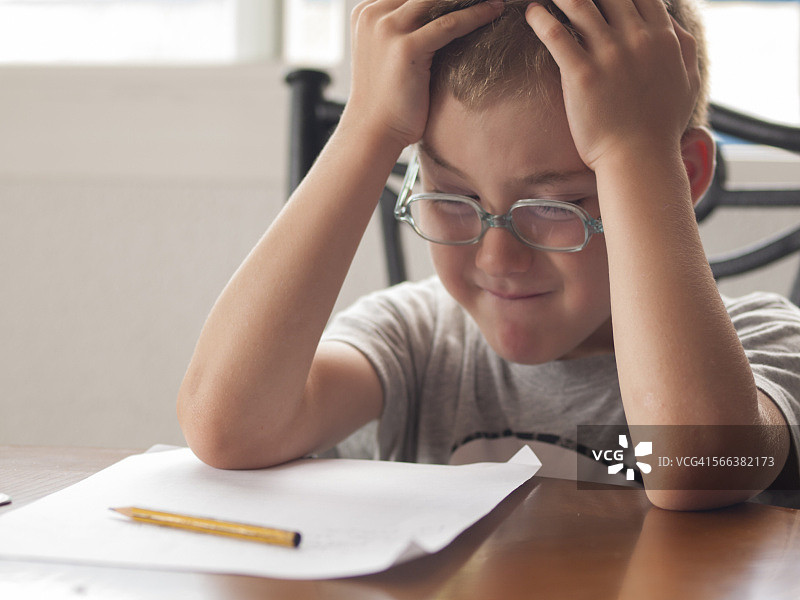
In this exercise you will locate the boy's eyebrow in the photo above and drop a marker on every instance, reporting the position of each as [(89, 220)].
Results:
[(537, 178)]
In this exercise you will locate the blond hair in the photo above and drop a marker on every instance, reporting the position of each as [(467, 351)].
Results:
[(505, 59)]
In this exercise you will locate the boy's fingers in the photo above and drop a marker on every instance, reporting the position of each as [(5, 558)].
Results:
[(381, 8), (584, 15), (440, 32), (410, 9), (653, 11), (689, 52), (414, 11), (367, 9), (619, 11), (560, 42), (358, 9)]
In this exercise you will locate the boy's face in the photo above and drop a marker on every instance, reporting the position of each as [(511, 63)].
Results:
[(531, 306)]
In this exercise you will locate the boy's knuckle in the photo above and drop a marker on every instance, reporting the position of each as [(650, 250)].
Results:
[(669, 37), (447, 23), (358, 7), (387, 28), (640, 41), (368, 11), (553, 32), (358, 10), (578, 5), (690, 42)]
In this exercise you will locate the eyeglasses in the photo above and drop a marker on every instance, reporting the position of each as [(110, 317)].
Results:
[(550, 225)]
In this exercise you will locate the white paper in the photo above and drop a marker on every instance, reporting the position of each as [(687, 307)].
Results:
[(355, 517)]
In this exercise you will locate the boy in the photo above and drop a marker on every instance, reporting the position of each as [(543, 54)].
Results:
[(530, 329)]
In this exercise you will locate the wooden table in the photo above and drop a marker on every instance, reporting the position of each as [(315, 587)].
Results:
[(547, 540)]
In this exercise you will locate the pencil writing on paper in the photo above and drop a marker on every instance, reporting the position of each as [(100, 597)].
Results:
[(243, 531)]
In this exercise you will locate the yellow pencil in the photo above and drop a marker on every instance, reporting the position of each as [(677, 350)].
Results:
[(254, 533)]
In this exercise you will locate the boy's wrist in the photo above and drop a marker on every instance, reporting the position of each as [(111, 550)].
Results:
[(371, 133), (632, 154), (658, 168)]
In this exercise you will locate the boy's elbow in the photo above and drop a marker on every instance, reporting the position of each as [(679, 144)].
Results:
[(204, 434), (211, 447), (223, 433), (211, 432)]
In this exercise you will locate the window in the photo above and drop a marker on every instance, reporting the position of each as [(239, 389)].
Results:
[(754, 48), (314, 32), (137, 31)]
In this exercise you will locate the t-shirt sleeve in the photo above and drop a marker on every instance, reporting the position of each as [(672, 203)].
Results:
[(768, 326), (393, 330)]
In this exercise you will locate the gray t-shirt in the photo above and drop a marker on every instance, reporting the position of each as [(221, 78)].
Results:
[(449, 398)]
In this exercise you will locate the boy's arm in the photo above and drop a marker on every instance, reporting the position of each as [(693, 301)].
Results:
[(629, 89), (258, 390)]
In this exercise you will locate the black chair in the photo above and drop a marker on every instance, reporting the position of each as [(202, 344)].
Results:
[(313, 118), (719, 195)]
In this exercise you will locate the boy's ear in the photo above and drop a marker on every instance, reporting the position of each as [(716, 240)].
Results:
[(699, 151)]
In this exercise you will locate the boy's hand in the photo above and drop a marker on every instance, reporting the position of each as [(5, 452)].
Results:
[(392, 56), (631, 83)]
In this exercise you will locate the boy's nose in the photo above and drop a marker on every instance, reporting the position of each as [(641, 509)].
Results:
[(501, 254)]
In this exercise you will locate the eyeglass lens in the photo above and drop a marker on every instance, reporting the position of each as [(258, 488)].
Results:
[(455, 221)]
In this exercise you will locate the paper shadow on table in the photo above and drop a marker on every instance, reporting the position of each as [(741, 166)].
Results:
[(417, 579)]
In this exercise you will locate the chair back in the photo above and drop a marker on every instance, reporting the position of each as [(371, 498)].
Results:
[(312, 121), (720, 195)]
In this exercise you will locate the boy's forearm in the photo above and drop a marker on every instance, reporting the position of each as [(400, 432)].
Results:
[(246, 383), (679, 358), (246, 379), (676, 348)]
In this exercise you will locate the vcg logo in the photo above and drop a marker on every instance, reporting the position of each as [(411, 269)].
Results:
[(617, 456)]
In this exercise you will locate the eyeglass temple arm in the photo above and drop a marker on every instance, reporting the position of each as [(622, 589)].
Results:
[(408, 183)]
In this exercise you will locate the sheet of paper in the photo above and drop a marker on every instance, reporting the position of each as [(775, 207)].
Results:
[(356, 517)]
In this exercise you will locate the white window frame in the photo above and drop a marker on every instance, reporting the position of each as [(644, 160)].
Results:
[(251, 30)]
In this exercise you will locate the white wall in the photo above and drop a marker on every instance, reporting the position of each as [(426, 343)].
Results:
[(127, 199)]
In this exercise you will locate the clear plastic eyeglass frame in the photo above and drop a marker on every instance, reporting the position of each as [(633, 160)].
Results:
[(488, 220)]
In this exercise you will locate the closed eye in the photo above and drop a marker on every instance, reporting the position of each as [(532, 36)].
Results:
[(451, 193), (575, 201), (452, 207)]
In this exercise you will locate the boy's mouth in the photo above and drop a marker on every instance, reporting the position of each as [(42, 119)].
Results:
[(514, 295)]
